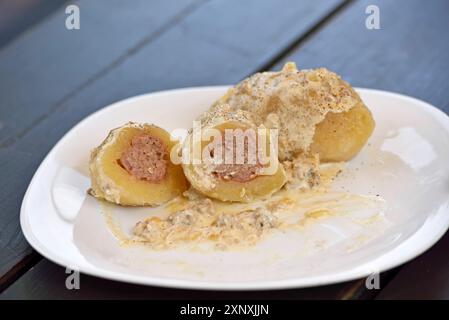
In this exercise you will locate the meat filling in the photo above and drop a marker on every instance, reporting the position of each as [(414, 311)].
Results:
[(240, 172), (237, 172), (146, 158)]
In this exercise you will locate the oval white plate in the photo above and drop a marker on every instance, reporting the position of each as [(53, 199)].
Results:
[(405, 163)]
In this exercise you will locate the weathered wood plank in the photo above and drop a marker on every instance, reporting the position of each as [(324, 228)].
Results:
[(18, 16), (409, 54), (203, 48), (45, 65), (47, 281)]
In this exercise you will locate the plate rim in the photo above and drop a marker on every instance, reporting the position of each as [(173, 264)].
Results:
[(299, 282)]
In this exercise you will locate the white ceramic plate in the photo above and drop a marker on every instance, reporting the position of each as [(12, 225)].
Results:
[(405, 163)]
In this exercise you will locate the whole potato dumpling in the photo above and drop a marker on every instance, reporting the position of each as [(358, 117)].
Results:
[(340, 136), (315, 111)]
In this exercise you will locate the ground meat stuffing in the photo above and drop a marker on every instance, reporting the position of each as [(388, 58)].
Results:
[(146, 158), (240, 172), (237, 172)]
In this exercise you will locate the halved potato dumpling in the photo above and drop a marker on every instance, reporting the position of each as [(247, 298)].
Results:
[(236, 181), (132, 167), (340, 136)]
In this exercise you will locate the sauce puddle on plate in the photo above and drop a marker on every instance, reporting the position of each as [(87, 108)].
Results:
[(195, 221)]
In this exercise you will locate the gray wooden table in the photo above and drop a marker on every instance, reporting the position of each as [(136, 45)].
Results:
[(51, 78)]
